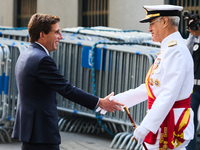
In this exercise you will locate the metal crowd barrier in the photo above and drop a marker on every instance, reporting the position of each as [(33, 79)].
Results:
[(9, 52), (22, 35), (151, 43), (73, 36), (113, 34)]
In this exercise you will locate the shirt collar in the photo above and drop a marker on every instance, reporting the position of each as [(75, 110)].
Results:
[(43, 47)]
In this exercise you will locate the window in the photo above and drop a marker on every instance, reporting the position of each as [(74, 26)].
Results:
[(94, 13), (25, 9)]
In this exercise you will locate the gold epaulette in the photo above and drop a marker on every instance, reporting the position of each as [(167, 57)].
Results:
[(172, 43)]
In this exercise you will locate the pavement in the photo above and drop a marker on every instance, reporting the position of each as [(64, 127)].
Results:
[(73, 141), (77, 141)]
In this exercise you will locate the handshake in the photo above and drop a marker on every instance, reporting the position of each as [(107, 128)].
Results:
[(109, 103)]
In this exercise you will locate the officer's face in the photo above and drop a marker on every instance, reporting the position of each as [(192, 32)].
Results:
[(154, 28)]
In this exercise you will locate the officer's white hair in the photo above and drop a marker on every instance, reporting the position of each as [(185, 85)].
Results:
[(174, 20)]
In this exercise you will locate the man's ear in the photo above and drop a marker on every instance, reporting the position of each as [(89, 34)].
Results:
[(165, 21), (42, 34)]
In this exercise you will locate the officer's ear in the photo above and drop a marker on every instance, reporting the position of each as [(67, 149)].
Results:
[(165, 21)]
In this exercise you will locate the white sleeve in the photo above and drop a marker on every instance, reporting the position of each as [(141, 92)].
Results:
[(132, 96)]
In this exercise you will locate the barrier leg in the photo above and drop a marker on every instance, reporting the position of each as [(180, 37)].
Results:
[(125, 141), (115, 139)]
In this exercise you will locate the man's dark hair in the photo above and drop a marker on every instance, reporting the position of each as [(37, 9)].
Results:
[(40, 23)]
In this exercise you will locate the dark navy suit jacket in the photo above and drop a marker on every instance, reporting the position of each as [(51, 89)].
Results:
[(38, 80)]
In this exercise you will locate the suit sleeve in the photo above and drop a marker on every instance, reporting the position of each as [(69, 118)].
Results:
[(50, 76)]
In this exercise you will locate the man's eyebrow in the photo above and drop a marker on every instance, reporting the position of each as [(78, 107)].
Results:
[(58, 30)]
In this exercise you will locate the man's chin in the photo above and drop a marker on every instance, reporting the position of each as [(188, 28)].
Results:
[(153, 39)]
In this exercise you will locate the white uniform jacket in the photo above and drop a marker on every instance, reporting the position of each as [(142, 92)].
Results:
[(172, 80)]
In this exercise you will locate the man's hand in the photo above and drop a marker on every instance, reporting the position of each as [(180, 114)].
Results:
[(140, 133), (108, 105)]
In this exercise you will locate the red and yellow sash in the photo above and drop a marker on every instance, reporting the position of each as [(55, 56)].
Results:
[(171, 134)]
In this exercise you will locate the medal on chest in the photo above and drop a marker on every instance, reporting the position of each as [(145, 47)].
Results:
[(155, 66)]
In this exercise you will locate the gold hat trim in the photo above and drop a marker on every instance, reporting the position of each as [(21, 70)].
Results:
[(152, 15)]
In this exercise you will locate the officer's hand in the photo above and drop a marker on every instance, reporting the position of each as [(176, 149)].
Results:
[(140, 133)]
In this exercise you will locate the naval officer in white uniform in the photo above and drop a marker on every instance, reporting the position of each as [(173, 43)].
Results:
[(168, 86)]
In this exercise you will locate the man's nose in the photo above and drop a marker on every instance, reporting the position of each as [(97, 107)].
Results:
[(61, 37), (150, 29)]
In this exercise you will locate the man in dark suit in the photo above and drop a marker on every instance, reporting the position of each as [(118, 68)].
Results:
[(38, 80)]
